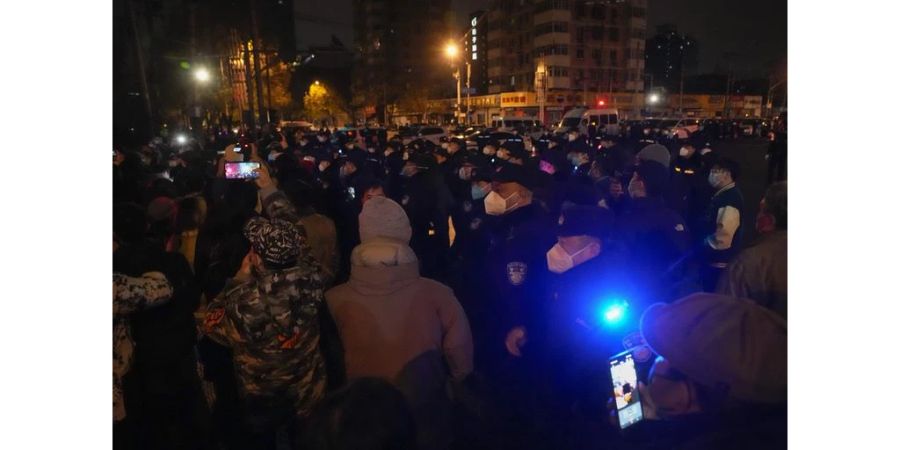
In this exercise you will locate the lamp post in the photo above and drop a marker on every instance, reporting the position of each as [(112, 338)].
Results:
[(452, 51)]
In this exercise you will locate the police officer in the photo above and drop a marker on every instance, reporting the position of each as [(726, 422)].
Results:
[(517, 240), (589, 313), (427, 201), (687, 181), (656, 236)]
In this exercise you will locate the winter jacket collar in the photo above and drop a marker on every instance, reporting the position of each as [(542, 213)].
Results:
[(382, 266)]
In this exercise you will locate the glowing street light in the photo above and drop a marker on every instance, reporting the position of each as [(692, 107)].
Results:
[(201, 75), (653, 99), (451, 50)]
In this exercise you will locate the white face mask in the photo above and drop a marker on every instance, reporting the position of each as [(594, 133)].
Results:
[(495, 205), (559, 260), (684, 151), (444, 145), (715, 179), (465, 173), (572, 137)]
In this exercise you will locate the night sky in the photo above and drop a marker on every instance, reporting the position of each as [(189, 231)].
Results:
[(754, 30)]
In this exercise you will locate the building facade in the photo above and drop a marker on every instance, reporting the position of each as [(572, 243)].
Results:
[(399, 58), (667, 56), (595, 47)]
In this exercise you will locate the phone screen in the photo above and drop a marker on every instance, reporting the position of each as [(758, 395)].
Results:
[(625, 390), (241, 170)]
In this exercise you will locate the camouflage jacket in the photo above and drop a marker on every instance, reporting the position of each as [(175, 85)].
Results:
[(272, 325), (131, 294)]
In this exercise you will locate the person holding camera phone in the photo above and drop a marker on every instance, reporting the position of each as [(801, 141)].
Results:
[(720, 378)]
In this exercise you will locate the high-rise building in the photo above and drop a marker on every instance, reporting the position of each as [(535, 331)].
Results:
[(476, 39), (668, 55), (399, 49), (588, 46)]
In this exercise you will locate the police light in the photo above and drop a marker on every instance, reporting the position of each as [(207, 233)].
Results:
[(614, 312)]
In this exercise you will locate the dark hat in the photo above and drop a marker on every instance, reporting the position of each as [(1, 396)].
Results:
[(581, 220), (722, 342), (423, 160), (276, 241), (442, 151), (655, 177), (732, 166), (513, 173), (518, 152)]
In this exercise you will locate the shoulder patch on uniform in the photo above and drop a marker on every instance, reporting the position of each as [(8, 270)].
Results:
[(679, 227), (516, 272), (404, 200)]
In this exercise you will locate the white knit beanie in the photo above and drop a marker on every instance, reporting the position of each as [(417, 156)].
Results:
[(383, 217)]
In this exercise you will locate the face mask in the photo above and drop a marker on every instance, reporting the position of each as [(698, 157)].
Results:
[(495, 205), (321, 138), (559, 260), (445, 145), (715, 179), (303, 143), (684, 151), (405, 156), (478, 193), (408, 171), (465, 173), (489, 151), (635, 190), (572, 137)]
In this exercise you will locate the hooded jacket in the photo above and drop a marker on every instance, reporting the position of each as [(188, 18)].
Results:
[(407, 329), (387, 315)]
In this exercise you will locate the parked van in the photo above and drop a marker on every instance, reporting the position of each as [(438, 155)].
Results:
[(605, 120), (525, 125)]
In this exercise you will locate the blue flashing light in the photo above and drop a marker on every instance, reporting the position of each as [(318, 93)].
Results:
[(614, 312)]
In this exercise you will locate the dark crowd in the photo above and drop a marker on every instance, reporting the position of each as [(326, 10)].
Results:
[(360, 291)]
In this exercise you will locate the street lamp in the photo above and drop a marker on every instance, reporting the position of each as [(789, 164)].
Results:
[(653, 99), (201, 75), (452, 51)]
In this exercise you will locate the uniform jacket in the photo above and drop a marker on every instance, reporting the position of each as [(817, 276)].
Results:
[(271, 324), (760, 273)]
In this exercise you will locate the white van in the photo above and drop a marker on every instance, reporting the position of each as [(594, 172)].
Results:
[(606, 120)]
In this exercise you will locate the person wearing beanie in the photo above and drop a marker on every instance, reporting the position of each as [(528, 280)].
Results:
[(268, 314), (656, 236), (720, 378), (396, 325), (655, 152)]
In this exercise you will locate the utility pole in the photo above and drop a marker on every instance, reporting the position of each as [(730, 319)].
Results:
[(458, 93), (141, 68), (256, 70), (468, 91)]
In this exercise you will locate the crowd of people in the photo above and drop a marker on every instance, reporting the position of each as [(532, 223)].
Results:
[(371, 293)]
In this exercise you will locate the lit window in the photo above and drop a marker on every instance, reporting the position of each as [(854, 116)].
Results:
[(474, 56), (474, 48), (474, 39)]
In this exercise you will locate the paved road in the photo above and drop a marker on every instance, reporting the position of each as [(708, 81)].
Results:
[(750, 153)]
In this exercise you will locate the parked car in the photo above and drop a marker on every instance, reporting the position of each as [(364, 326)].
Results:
[(433, 134)]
